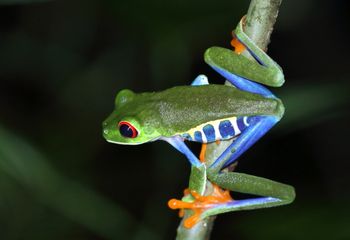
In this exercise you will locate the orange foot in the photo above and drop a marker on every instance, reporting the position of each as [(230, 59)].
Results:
[(200, 204), (239, 47)]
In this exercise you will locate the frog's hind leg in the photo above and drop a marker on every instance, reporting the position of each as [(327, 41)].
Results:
[(257, 127), (273, 193), (231, 66), (243, 83), (244, 73), (219, 201)]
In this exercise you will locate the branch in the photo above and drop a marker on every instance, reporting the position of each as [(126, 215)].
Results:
[(260, 19)]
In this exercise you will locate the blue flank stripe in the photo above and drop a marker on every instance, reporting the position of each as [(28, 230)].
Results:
[(240, 123), (187, 136), (198, 136), (226, 130), (209, 132)]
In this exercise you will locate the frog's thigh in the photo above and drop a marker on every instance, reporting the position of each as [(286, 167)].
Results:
[(258, 126)]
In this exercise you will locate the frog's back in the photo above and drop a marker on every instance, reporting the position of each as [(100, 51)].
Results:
[(182, 108)]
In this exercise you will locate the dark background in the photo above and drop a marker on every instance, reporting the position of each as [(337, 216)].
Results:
[(61, 65)]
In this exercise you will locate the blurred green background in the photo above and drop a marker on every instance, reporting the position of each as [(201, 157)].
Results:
[(61, 64)]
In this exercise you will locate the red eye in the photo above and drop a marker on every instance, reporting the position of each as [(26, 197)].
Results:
[(127, 130)]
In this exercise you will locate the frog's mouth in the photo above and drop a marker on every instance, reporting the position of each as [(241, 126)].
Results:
[(123, 143), (105, 135)]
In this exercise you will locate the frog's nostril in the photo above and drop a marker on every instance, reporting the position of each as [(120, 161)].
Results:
[(105, 131)]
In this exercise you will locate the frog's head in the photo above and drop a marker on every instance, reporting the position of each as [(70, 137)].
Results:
[(127, 124)]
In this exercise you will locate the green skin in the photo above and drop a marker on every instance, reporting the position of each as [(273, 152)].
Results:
[(178, 109), (166, 114)]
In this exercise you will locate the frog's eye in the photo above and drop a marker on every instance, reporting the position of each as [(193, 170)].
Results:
[(127, 130)]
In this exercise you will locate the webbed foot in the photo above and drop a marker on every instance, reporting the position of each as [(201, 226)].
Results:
[(200, 204)]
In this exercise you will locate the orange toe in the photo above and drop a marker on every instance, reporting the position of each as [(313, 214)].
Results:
[(200, 204), (239, 47)]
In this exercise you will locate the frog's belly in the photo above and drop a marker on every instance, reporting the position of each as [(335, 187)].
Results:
[(221, 129)]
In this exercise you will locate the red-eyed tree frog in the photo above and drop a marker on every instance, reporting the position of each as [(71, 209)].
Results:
[(207, 113)]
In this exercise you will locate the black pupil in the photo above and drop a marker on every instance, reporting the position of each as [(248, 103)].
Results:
[(126, 130)]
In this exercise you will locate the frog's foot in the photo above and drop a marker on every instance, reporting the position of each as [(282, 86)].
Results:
[(239, 47), (200, 204)]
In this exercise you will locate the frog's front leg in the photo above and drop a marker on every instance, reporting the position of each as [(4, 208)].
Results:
[(178, 143)]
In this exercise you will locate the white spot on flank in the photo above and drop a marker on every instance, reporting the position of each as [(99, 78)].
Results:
[(235, 126), (215, 124), (245, 121), (204, 137), (217, 131)]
